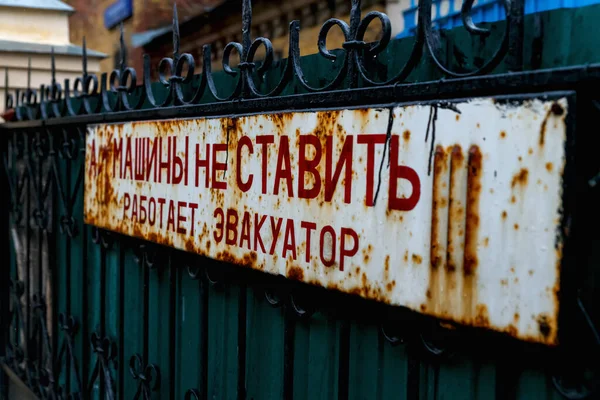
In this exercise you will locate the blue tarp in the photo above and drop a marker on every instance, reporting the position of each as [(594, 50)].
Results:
[(446, 13)]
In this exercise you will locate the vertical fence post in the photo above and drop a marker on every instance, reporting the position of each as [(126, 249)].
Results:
[(4, 280), (516, 28)]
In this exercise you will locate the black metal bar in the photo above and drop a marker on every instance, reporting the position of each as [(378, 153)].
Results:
[(516, 35), (241, 350), (288, 354), (121, 101), (28, 266), (68, 270), (85, 328), (102, 308), (344, 360), (4, 277), (510, 83), (172, 324), (204, 338), (40, 243), (121, 338), (146, 311)]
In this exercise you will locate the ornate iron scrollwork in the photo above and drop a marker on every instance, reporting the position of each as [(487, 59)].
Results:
[(106, 355), (69, 326), (147, 375), (118, 91)]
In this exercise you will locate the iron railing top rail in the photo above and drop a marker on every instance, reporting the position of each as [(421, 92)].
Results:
[(90, 98), (554, 79)]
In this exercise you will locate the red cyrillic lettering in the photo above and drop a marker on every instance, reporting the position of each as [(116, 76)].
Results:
[(152, 159), (402, 172), (134, 208), (193, 207), (345, 160), (177, 170), (93, 165), (180, 219), (309, 226), (275, 228), (202, 164), (289, 241), (186, 164), (265, 141), (350, 252), (143, 213), (151, 211), (117, 156), (245, 186), (218, 166), (140, 162), (327, 229), (126, 204), (162, 202), (283, 160), (164, 164), (218, 233), (171, 216), (371, 141), (231, 226), (245, 236), (128, 161), (309, 166), (257, 238)]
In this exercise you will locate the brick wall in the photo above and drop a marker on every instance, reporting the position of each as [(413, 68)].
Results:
[(224, 26), (219, 27), (88, 21)]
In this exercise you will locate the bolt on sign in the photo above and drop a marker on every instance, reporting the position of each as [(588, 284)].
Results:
[(451, 210)]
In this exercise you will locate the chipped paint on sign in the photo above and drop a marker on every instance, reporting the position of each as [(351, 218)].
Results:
[(452, 212)]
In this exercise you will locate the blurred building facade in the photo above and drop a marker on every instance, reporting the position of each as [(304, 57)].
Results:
[(147, 25), (29, 31)]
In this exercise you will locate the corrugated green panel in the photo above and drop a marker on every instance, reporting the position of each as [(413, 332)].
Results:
[(77, 281), (264, 348), (14, 275), (159, 321), (457, 377), (534, 384), (190, 331), (377, 370), (111, 298), (223, 342), (131, 333), (316, 358), (62, 271), (95, 297)]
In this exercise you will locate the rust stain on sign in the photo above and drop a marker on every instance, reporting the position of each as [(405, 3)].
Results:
[(347, 200)]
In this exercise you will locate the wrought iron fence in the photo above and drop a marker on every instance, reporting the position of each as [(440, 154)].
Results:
[(58, 338)]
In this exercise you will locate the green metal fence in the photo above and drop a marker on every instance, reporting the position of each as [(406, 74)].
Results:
[(92, 314)]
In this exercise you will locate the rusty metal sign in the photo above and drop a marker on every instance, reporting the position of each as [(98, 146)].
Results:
[(453, 211)]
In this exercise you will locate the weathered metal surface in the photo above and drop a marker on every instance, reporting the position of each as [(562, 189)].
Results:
[(450, 211)]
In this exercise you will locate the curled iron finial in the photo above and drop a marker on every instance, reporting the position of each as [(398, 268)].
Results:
[(122, 83), (171, 72), (27, 99), (432, 39), (85, 88)]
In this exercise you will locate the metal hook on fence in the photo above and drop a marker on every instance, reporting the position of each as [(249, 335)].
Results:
[(272, 297), (392, 337), (303, 307)]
